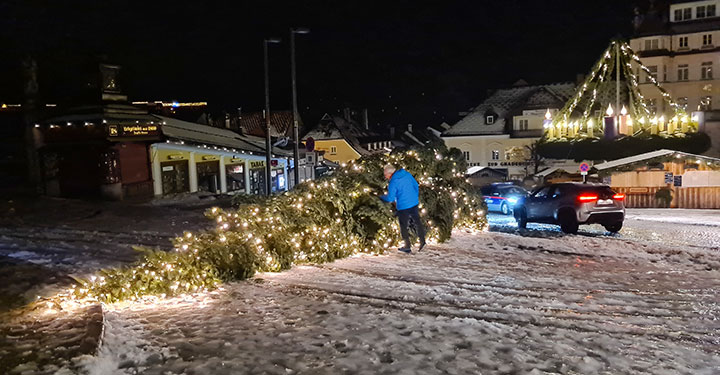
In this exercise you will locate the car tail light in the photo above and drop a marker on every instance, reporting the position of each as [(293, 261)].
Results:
[(587, 198), (619, 197)]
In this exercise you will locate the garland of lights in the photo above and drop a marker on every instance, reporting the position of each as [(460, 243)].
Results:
[(318, 221)]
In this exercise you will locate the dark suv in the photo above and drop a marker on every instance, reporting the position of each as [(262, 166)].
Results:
[(571, 204)]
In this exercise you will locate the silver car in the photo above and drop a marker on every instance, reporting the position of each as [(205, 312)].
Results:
[(572, 204)]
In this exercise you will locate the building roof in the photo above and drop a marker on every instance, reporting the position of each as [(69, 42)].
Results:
[(474, 170), (336, 127), (280, 123), (211, 136), (504, 103), (648, 156)]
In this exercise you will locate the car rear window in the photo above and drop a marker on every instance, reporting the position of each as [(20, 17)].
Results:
[(600, 190)]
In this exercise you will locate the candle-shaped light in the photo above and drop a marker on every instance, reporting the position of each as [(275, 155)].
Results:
[(672, 125), (654, 126), (630, 128), (622, 120), (609, 122), (590, 131), (684, 124), (547, 125), (661, 123)]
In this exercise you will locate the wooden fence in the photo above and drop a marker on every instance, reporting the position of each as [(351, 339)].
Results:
[(683, 197)]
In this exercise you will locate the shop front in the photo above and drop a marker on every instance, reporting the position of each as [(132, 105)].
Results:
[(193, 168)]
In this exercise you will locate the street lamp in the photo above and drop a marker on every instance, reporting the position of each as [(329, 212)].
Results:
[(296, 136), (268, 146)]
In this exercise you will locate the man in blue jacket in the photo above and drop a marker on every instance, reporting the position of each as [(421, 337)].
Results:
[(403, 189)]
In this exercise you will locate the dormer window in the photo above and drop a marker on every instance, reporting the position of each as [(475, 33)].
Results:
[(489, 119)]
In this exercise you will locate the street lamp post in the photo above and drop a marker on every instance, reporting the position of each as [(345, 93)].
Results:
[(268, 145), (296, 117)]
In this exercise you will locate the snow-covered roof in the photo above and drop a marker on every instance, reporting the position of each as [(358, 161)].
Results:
[(648, 156), (547, 172), (198, 133), (473, 170), (503, 102)]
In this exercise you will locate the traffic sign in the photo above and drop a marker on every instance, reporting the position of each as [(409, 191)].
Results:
[(584, 167)]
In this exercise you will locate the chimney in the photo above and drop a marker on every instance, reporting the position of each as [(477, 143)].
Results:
[(365, 119), (410, 128)]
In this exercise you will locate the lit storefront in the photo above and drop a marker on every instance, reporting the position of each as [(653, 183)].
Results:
[(198, 158)]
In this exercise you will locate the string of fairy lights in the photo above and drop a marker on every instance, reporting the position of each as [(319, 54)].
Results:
[(318, 221), (640, 120)]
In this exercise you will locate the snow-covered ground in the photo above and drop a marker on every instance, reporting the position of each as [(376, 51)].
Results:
[(536, 302), (645, 301)]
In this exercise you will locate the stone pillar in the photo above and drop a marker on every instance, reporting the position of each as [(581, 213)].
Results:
[(223, 175), (247, 176), (192, 173), (156, 170)]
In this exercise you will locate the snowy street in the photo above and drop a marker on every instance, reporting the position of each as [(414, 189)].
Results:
[(645, 301), (539, 303)]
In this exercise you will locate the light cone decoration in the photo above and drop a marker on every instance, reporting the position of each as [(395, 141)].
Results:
[(613, 85)]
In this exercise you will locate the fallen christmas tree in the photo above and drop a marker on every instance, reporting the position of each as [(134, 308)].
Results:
[(316, 222)]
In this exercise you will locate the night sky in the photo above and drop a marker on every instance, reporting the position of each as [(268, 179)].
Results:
[(430, 59)]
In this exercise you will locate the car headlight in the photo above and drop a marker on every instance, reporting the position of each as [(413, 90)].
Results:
[(512, 200)]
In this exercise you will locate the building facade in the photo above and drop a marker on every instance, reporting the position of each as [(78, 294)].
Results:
[(342, 139), (500, 132), (680, 44)]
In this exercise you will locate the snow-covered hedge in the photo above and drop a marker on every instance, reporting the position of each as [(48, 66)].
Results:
[(316, 222)]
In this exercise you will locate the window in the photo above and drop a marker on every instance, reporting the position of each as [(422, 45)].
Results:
[(678, 15), (542, 193), (466, 154), (683, 72), (707, 40), (652, 44), (682, 102), (489, 120), (710, 11), (652, 105), (653, 73), (333, 150), (495, 155), (687, 14), (310, 158), (700, 12), (522, 124), (683, 42), (706, 103), (706, 70)]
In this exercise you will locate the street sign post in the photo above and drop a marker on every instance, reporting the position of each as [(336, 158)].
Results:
[(584, 168)]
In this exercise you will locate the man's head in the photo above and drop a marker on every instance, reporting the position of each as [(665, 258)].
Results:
[(388, 171)]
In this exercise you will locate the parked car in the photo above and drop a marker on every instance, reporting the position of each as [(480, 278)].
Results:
[(502, 197), (572, 204)]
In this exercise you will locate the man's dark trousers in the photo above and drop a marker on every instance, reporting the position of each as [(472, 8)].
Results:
[(405, 216)]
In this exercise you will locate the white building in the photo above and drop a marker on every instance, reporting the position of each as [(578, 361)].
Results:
[(680, 44), (498, 132)]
